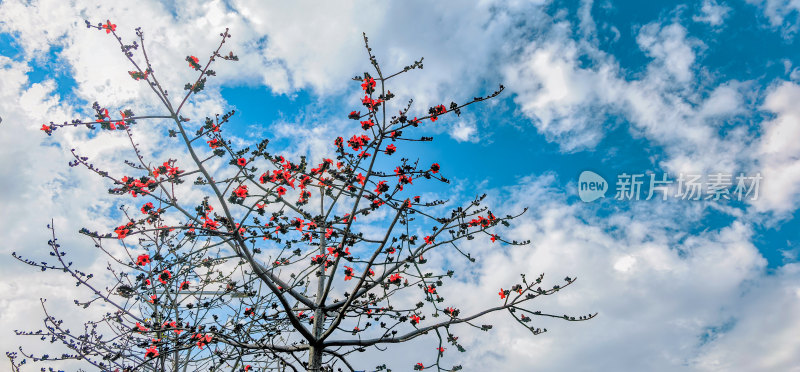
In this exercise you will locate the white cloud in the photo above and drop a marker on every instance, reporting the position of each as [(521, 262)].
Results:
[(765, 313), (672, 52), (777, 151), (780, 13), (712, 13), (464, 130)]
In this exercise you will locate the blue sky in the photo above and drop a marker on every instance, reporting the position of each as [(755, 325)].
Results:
[(611, 87)]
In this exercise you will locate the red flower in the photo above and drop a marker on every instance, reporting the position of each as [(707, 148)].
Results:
[(494, 237), (164, 276), (366, 124), (214, 143), (202, 340), (368, 85), (281, 191), (431, 289), (241, 162), (247, 368), (46, 129), (436, 111), (395, 278), (184, 285), (435, 168), (140, 328), (355, 115), (382, 187), (414, 319), (147, 207), (193, 62), (440, 349), (348, 273), (241, 191), (109, 27), (122, 231), (419, 367), (151, 352), (210, 224), (428, 240), (502, 293), (390, 149), (143, 259)]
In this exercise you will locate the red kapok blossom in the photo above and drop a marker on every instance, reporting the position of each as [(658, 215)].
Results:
[(193, 62), (151, 352), (435, 168), (390, 149), (502, 293), (210, 224), (366, 124), (395, 278), (348, 273), (143, 259), (414, 319), (123, 231), (241, 191), (241, 162), (109, 27), (436, 111), (281, 191), (164, 276), (184, 285), (47, 129), (147, 207), (419, 367), (428, 240), (213, 143), (368, 85)]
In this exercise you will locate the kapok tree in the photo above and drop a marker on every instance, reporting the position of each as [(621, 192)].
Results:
[(283, 264)]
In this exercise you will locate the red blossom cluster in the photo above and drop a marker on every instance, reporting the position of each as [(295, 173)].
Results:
[(202, 339), (136, 75), (109, 27), (167, 169), (241, 191), (143, 259), (436, 111), (193, 62), (138, 187), (124, 230), (214, 143)]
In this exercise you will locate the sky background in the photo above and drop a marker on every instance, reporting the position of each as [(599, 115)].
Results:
[(633, 87)]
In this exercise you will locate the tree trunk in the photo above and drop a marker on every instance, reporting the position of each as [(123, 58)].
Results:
[(315, 352), (315, 359)]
